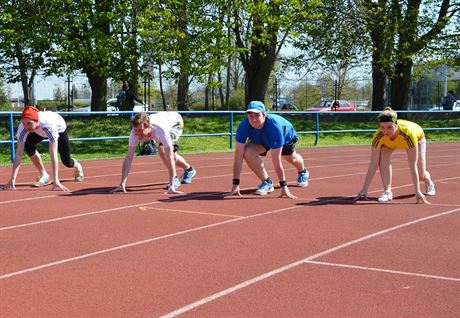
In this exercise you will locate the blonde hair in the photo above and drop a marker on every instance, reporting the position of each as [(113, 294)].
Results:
[(388, 115), (140, 119)]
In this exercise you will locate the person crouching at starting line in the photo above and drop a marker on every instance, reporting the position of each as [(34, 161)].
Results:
[(164, 128), (394, 134), (36, 126), (259, 133)]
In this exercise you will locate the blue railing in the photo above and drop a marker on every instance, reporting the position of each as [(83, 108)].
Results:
[(316, 115)]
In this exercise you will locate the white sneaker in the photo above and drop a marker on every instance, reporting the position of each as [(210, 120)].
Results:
[(78, 174), (430, 190), (386, 196)]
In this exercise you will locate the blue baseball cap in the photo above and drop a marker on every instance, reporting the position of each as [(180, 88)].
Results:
[(255, 107)]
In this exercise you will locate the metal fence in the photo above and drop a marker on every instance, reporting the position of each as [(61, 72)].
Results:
[(316, 122)]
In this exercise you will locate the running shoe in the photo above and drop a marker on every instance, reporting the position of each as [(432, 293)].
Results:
[(78, 174), (176, 183), (42, 181), (188, 175), (302, 179), (430, 190), (386, 196), (265, 187)]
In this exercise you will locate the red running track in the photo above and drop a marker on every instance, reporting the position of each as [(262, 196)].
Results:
[(147, 254)]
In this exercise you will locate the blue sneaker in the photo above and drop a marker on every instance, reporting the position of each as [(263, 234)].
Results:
[(188, 175), (265, 187), (302, 179), (176, 183), (41, 181)]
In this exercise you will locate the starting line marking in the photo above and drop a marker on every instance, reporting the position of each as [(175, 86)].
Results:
[(143, 208)]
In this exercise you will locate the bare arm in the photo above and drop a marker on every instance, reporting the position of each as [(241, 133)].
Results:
[(237, 167), (412, 157), (171, 165), (278, 165), (373, 166), (16, 165), (55, 165), (126, 167)]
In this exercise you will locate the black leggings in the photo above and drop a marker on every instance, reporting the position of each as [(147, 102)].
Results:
[(63, 147)]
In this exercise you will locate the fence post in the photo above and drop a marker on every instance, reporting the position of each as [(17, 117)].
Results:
[(231, 130), (317, 128), (11, 137)]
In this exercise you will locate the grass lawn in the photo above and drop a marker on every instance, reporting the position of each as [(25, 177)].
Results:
[(106, 126)]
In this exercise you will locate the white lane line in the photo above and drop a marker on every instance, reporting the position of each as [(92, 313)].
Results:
[(382, 270), (211, 177), (97, 212), (28, 199), (156, 238), (311, 203), (284, 268), (144, 208), (76, 216)]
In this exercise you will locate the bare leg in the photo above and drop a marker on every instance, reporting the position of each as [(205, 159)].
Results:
[(386, 170), (38, 163), (178, 159), (255, 163), (424, 175), (296, 160)]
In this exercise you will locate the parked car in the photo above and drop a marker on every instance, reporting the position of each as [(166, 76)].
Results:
[(283, 103), (113, 106), (456, 105), (329, 106)]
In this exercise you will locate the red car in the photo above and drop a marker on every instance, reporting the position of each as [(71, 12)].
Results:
[(333, 106)]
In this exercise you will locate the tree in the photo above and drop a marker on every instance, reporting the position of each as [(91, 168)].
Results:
[(182, 37), (57, 94), (331, 45), (24, 41), (261, 29), (87, 39), (4, 103), (399, 32)]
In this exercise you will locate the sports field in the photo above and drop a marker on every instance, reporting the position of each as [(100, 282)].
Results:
[(91, 253)]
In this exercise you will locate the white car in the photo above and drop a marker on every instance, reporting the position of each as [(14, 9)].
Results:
[(456, 105), (138, 107)]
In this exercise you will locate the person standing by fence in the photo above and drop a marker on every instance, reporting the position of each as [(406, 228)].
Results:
[(449, 101)]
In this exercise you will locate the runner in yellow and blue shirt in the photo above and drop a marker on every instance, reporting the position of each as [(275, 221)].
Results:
[(259, 133), (394, 134)]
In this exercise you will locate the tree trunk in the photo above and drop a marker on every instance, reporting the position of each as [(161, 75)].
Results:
[(258, 69), (227, 83), (206, 97), (221, 90), (162, 92), (98, 91), (400, 85), (378, 88), (182, 93)]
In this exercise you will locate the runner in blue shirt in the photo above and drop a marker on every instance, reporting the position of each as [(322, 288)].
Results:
[(258, 133)]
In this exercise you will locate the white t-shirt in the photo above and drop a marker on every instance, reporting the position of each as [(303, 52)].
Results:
[(166, 129), (50, 125)]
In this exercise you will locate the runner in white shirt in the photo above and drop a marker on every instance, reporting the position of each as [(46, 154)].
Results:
[(164, 128), (36, 126)]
